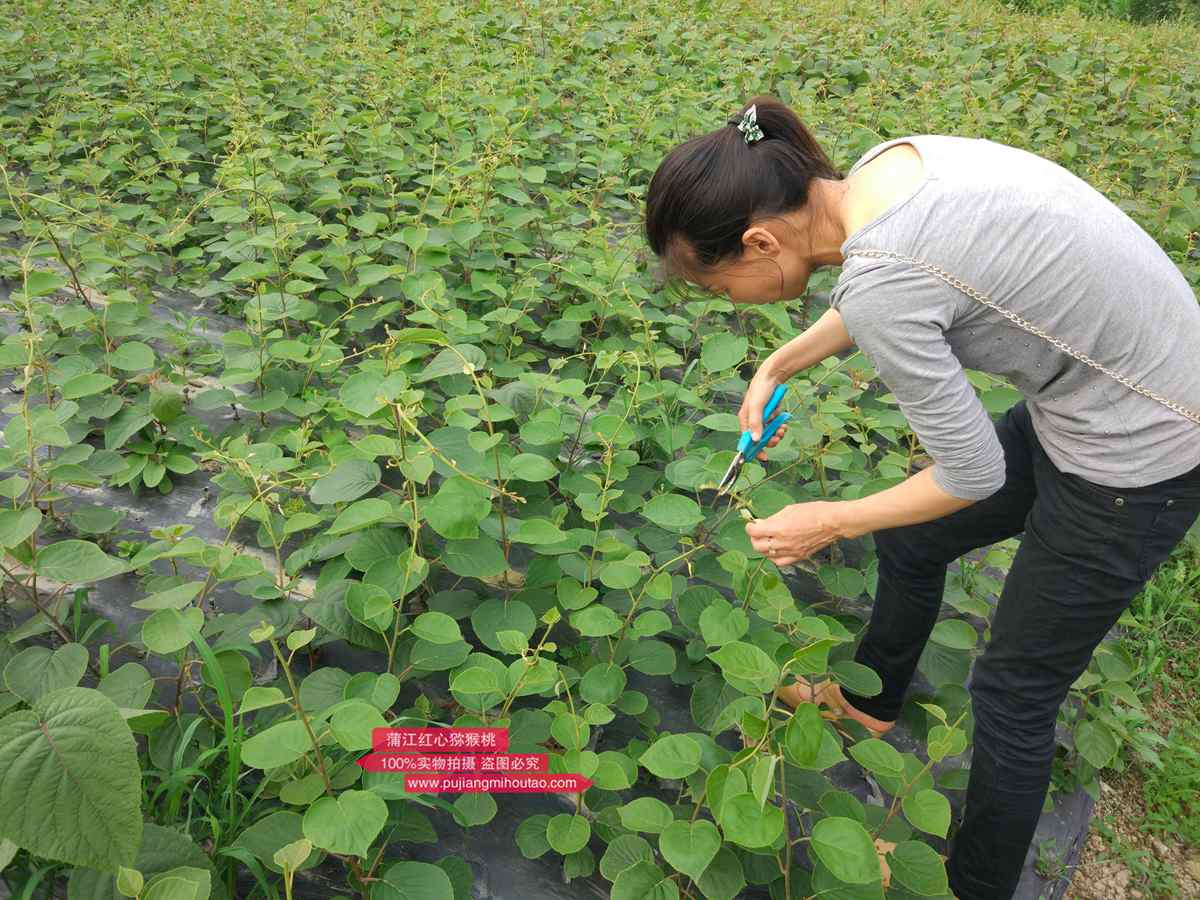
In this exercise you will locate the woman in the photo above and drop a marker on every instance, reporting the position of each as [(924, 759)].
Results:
[(1102, 479)]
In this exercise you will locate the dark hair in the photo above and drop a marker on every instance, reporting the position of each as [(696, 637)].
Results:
[(709, 189)]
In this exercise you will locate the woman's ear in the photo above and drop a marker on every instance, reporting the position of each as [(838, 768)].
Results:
[(759, 239)]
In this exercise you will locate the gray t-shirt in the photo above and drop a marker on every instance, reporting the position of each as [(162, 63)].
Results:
[(1045, 244)]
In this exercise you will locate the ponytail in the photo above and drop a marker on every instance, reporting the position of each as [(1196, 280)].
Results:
[(708, 190)]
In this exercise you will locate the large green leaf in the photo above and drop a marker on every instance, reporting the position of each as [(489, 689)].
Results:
[(70, 783), (672, 756), (643, 881), (673, 512), (747, 822), (918, 867), (282, 743), (690, 846), (361, 514), (348, 823), (77, 562), (481, 557), (36, 671), (955, 634), (1095, 742), (928, 810), (16, 525), (457, 509), (349, 480), (161, 850), (878, 757), (846, 849), (567, 833), (410, 880), (746, 667), (723, 351)]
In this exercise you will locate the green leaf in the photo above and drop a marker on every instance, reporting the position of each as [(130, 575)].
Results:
[(437, 628), (842, 582), (358, 394), (804, 734), (723, 351), (132, 356), (353, 724), (173, 598), (411, 880), (674, 512), (928, 810), (475, 681), (846, 849), (690, 846), (538, 532), (124, 425), (944, 741), (360, 514), (860, 679), (643, 881), (77, 562), (746, 667), (596, 621), (86, 385), (70, 783), (478, 558), (282, 743), (348, 481), (918, 867), (878, 757), (162, 849), (648, 814), (36, 671), (40, 283), (567, 833), (622, 852), (1095, 742), (1115, 662), (458, 359), (476, 809), (721, 622), (672, 756), (745, 821), (531, 467), (16, 525), (346, 824), (183, 883), (167, 631), (955, 634), (457, 509)]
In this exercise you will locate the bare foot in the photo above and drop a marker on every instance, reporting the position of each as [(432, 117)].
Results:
[(829, 694)]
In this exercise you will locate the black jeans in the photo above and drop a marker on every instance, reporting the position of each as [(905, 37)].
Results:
[(1087, 551)]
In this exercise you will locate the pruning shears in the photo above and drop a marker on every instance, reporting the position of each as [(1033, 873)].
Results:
[(747, 448)]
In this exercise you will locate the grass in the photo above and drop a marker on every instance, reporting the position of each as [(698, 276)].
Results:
[(1141, 11), (1154, 805)]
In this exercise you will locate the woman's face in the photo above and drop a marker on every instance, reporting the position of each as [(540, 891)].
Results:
[(770, 269), (759, 280)]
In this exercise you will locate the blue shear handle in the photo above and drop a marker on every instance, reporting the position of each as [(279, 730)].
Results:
[(768, 432), (744, 443)]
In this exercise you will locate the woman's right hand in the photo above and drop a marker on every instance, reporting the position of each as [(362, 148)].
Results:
[(757, 396)]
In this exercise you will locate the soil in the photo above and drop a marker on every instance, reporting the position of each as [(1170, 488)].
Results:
[(1101, 875)]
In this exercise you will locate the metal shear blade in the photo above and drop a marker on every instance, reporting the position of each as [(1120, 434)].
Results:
[(731, 475)]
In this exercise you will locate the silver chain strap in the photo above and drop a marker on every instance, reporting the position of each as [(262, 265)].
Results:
[(1032, 329)]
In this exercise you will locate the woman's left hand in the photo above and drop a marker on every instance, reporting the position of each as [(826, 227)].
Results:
[(795, 532)]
